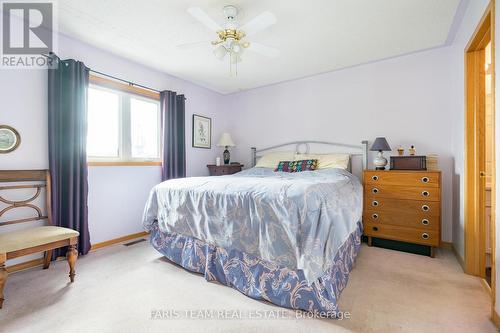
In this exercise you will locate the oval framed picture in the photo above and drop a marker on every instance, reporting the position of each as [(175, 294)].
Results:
[(9, 139)]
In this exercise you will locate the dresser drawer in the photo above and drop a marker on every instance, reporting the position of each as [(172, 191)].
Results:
[(410, 235), (402, 192), (402, 178), (221, 170), (403, 220), (402, 207)]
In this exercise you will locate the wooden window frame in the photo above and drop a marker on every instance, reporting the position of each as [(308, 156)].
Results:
[(129, 89)]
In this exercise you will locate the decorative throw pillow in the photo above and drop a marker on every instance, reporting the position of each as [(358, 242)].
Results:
[(297, 166), (285, 166)]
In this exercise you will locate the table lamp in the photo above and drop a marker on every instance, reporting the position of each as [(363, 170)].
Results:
[(380, 145), (226, 141)]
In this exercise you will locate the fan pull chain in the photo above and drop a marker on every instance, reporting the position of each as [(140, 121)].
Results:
[(231, 55), (230, 65)]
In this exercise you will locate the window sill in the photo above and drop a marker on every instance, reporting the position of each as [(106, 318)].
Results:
[(123, 163)]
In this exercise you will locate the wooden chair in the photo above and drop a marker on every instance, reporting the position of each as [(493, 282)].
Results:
[(31, 240)]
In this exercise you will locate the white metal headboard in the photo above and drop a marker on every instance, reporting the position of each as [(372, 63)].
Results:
[(360, 150)]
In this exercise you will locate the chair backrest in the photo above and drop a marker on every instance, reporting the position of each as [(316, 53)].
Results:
[(25, 179)]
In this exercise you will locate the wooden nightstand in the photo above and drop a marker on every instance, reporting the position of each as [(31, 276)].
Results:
[(225, 169), (403, 206)]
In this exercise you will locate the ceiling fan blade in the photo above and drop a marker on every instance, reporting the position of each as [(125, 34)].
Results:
[(203, 17), (192, 44), (259, 23), (264, 50)]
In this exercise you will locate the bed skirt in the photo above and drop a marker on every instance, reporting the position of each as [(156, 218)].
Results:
[(260, 279)]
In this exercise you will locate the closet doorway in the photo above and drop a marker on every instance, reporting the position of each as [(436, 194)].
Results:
[(480, 152)]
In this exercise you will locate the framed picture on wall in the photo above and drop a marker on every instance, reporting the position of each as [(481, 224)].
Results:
[(9, 139), (202, 132)]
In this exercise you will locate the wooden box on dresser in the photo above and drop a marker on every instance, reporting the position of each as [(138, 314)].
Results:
[(403, 206)]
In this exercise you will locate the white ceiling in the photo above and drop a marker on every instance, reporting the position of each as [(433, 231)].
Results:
[(313, 36)]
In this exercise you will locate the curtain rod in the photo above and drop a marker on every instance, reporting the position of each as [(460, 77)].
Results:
[(122, 80), (119, 79)]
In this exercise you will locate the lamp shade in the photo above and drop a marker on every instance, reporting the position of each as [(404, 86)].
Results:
[(380, 144), (220, 52), (226, 141)]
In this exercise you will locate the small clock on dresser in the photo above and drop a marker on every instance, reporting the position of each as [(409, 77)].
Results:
[(403, 205)]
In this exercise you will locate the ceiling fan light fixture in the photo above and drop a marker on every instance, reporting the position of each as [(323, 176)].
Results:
[(220, 52), (236, 47), (230, 36)]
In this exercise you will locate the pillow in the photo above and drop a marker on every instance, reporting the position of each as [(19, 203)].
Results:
[(271, 160), (326, 161), (297, 166)]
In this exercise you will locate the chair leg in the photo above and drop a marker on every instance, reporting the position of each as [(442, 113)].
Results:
[(71, 257), (3, 280), (47, 258)]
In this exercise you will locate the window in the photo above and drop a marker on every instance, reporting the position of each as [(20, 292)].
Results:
[(103, 133), (122, 126), (144, 128)]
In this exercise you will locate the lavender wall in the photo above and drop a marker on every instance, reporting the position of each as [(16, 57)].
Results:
[(24, 106), (405, 99), (110, 187)]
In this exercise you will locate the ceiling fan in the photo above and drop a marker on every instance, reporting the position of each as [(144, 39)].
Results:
[(231, 39)]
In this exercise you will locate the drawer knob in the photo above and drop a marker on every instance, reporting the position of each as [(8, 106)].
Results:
[(425, 193), (375, 216), (375, 190), (375, 203), (375, 228), (425, 208), (425, 222), (375, 177), (425, 179), (425, 235)]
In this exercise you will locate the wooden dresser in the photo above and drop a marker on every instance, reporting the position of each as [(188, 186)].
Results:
[(225, 169), (403, 206)]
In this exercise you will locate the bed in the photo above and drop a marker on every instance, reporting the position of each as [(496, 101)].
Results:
[(287, 238)]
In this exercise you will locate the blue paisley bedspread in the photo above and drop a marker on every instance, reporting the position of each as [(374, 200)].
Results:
[(289, 238)]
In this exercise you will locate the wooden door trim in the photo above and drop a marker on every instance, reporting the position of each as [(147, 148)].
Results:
[(474, 202), (493, 168)]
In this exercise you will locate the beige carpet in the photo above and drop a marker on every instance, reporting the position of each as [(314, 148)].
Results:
[(117, 289)]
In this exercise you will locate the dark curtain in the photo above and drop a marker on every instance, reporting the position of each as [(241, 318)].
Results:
[(173, 135), (68, 83)]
